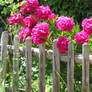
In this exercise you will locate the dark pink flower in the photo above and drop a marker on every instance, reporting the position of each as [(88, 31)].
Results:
[(15, 18), (62, 44), (26, 9), (32, 3), (43, 12), (29, 6), (64, 23), (40, 33), (23, 9), (29, 21), (87, 25), (24, 33), (52, 16), (81, 37), (12, 20)]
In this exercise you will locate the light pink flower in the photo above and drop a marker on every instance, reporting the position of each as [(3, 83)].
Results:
[(40, 33), (24, 33), (62, 44), (87, 25), (29, 21), (43, 12), (81, 37), (64, 23), (52, 16), (15, 18)]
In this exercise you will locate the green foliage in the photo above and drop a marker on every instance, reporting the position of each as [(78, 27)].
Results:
[(78, 9), (7, 7)]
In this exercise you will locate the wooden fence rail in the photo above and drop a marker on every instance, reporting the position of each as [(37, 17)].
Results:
[(85, 59)]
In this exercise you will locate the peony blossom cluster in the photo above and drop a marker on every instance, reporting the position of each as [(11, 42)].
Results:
[(81, 37), (34, 17), (40, 33), (87, 25), (15, 18), (29, 21), (24, 33), (29, 6), (43, 12), (64, 23), (62, 44)]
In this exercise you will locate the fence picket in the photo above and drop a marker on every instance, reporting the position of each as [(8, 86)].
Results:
[(56, 68), (85, 68), (4, 43), (15, 63), (42, 68), (70, 67), (28, 53)]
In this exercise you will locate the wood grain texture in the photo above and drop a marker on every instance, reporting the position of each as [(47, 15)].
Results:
[(15, 63), (42, 67), (70, 67), (85, 68), (28, 53), (4, 54), (56, 68)]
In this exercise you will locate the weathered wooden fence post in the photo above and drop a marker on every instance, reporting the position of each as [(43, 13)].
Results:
[(9, 62), (4, 43), (56, 68), (41, 67), (15, 63), (70, 67), (28, 53), (85, 68)]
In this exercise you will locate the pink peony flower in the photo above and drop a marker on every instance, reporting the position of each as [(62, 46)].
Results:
[(52, 16), (62, 44), (32, 3), (23, 9), (81, 37), (15, 18), (29, 7), (26, 9), (29, 21), (40, 33), (12, 20), (87, 25), (24, 33), (43, 12), (64, 23)]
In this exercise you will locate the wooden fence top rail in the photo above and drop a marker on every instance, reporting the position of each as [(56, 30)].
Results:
[(49, 53)]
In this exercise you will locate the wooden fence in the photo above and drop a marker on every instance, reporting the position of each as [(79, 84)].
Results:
[(42, 53)]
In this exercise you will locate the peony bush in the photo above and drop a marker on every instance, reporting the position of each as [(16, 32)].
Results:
[(43, 26)]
